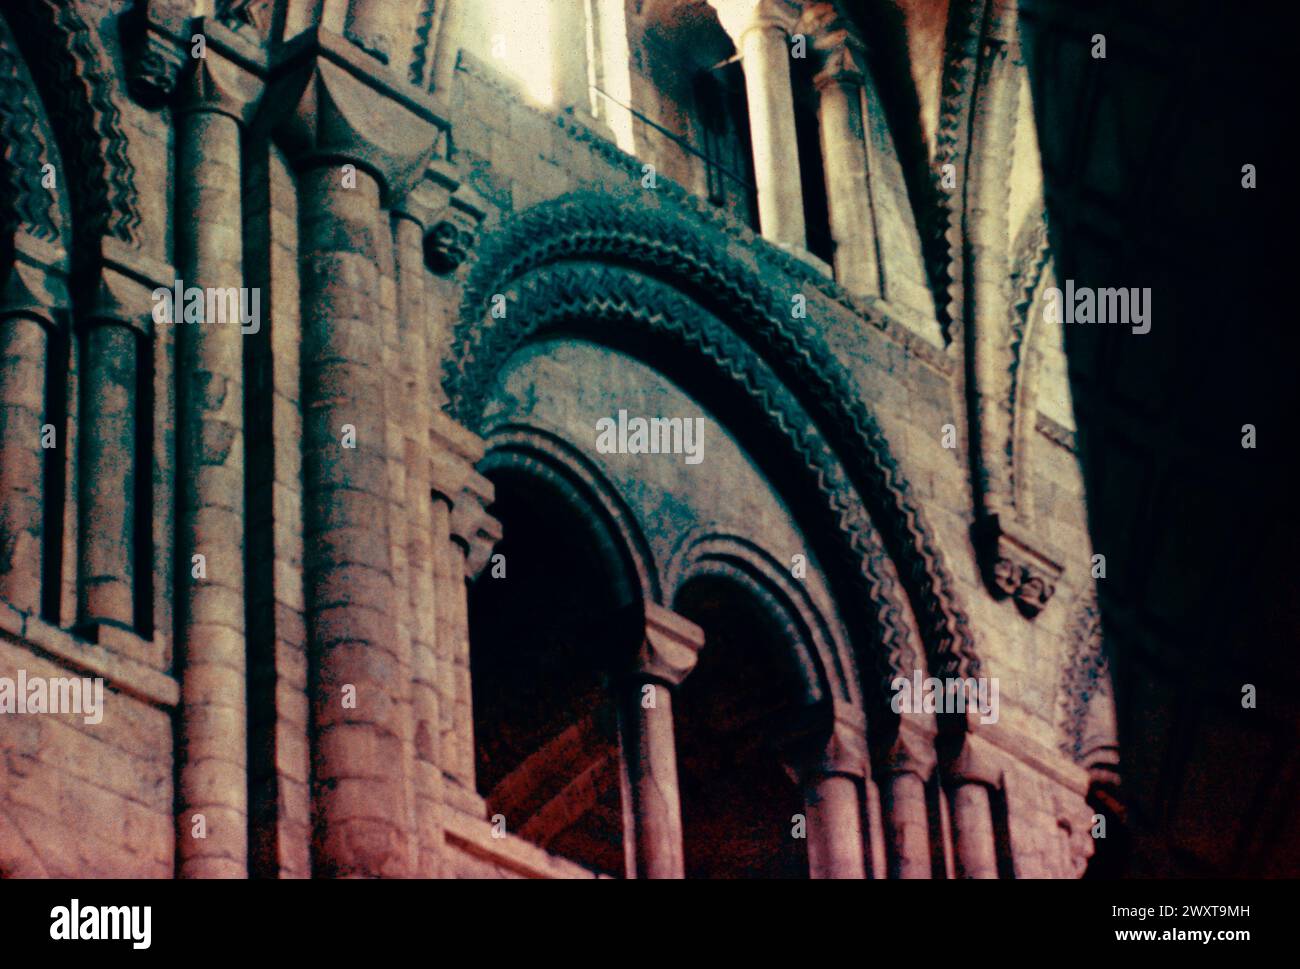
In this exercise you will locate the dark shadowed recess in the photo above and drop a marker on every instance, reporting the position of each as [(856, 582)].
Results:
[(738, 802), (1142, 155), (543, 641)]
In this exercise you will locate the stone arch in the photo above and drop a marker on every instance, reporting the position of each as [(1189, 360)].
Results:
[(823, 657), (546, 458), (70, 68), (1032, 265), (35, 242), (651, 278), (549, 639), (31, 207)]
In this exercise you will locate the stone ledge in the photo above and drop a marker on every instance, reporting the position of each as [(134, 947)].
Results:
[(473, 836), (120, 673), (1035, 757)]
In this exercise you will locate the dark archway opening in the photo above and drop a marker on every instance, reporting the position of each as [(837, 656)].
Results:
[(541, 639), (738, 802)]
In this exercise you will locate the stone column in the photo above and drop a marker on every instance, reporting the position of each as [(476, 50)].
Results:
[(902, 778), (447, 51), (569, 55), (33, 300), (652, 810), (970, 777), (359, 137), (412, 414), (841, 114), (831, 769), (760, 30), (216, 98), (116, 331), (440, 562), (463, 537)]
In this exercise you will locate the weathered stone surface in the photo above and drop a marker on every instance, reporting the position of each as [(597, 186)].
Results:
[(455, 287)]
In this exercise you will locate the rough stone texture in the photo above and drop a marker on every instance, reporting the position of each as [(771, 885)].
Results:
[(385, 226)]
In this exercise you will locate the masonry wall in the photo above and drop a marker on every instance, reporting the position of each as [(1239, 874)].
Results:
[(77, 799)]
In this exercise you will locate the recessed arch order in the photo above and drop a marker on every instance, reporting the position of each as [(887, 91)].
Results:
[(659, 284)]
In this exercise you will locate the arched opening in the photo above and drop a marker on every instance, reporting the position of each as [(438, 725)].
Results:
[(739, 803), (543, 635)]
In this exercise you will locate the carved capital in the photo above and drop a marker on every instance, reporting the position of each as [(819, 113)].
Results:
[(472, 528), (840, 52), (670, 647), (219, 83), (1013, 567), (912, 752), (117, 287), (739, 17), (970, 759), (153, 42), (33, 283), (244, 14), (820, 749), (336, 105)]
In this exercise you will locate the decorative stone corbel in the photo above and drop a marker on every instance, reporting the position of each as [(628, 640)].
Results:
[(1015, 567), (450, 238), (156, 42)]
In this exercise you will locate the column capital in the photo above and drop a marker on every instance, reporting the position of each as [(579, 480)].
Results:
[(224, 80), (669, 648), (116, 286), (816, 749), (912, 751), (970, 760), (34, 284), (159, 48), (841, 54), (329, 103), (154, 48), (739, 17)]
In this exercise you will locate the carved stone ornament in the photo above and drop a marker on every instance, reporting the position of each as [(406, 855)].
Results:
[(1015, 568)]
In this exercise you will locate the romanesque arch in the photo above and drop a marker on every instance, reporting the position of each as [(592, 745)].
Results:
[(661, 285), (823, 657), (73, 77)]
